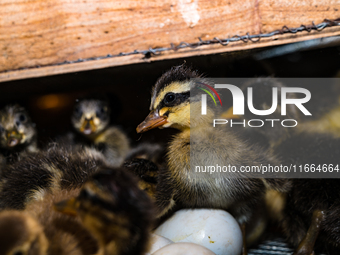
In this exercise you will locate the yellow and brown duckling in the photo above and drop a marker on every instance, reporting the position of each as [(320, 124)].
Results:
[(91, 119), (178, 183), (114, 209), (33, 185), (17, 134), (56, 168)]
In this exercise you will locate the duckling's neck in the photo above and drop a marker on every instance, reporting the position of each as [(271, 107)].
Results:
[(93, 137), (198, 120)]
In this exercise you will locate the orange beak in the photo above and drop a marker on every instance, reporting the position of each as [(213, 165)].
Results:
[(153, 120), (13, 138), (88, 127), (68, 207)]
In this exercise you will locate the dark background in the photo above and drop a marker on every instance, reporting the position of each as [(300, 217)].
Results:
[(49, 100)]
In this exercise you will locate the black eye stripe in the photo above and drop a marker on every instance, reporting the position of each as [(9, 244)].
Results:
[(180, 98)]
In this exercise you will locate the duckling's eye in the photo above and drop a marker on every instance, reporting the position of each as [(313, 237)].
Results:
[(101, 112), (169, 98), (22, 118)]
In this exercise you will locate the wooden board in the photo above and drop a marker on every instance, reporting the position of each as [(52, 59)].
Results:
[(45, 33)]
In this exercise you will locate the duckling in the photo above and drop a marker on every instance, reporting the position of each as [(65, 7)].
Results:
[(306, 222), (57, 167), (115, 211), (310, 213), (41, 230), (17, 134), (310, 218), (91, 119), (172, 105), (267, 136)]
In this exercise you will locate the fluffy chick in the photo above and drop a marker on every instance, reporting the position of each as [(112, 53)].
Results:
[(17, 134), (56, 168), (310, 212), (174, 105), (91, 119)]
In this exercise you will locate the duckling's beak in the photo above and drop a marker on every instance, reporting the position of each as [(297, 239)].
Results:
[(68, 207), (229, 114), (13, 138), (153, 120), (88, 127)]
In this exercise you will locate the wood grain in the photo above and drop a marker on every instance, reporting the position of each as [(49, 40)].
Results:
[(134, 59), (42, 33)]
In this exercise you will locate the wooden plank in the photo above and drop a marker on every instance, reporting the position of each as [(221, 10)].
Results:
[(133, 59), (42, 33)]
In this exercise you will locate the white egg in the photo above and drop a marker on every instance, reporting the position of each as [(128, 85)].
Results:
[(157, 242), (216, 230), (183, 249)]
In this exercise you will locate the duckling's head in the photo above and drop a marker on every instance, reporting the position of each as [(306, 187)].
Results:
[(20, 234), (114, 209), (91, 116), (16, 127), (171, 101)]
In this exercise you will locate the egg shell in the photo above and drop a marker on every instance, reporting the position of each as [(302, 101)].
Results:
[(216, 230), (157, 242), (183, 249)]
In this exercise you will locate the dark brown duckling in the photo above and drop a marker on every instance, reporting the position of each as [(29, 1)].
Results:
[(56, 168), (18, 136), (113, 208), (310, 215), (91, 119)]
